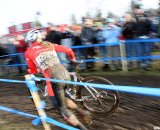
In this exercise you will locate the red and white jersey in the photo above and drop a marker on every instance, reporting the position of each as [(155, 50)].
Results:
[(43, 57)]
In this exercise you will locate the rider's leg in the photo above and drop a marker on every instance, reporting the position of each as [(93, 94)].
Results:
[(86, 114), (58, 88)]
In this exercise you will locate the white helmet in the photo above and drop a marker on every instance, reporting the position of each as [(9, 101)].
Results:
[(32, 35)]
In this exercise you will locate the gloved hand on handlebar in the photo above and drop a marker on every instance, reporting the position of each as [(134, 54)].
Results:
[(75, 62)]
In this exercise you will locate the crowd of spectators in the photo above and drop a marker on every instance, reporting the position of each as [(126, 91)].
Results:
[(137, 25), (15, 48)]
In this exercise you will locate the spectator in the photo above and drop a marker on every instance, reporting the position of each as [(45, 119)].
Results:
[(154, 27), (2, 51), (67, 37), (66, 40), (2, 59), (20, 48), (79, 52), (129, 34), (77, 41), (143, 29), (100, 40), (54, 35), (87, 36), (11, 49), (154, 24), (111, 33)]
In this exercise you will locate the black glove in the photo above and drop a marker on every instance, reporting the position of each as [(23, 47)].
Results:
[(73, 63)]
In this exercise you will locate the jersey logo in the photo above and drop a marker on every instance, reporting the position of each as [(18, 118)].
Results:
[(46, 59), (36, 47)]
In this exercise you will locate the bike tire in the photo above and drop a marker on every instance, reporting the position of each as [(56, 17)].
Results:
[(115, 101)]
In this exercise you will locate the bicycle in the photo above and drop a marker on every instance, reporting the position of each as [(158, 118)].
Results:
[(103, 102)]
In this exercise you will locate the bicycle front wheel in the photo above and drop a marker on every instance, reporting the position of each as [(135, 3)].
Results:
[(100, 101)]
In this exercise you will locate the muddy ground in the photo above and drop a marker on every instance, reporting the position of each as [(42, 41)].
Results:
[(136, 112)]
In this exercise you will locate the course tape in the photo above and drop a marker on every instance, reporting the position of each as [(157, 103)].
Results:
[(123, 58), (95, 45), (130, 89), (11, 65), (36, 121), (12, 81), (11, 55), (117, 43), (17, 112), (31, 85), (142, 40), (103, 44), (103, 59)]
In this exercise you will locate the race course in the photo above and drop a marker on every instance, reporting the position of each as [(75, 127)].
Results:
[(136, 112)]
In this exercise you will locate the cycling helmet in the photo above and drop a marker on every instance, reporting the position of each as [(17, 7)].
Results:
[(32, 35)]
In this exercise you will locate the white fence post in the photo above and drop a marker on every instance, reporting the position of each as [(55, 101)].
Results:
[(123, 56)]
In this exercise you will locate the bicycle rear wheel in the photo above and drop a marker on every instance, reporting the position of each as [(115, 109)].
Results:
[(106, 101)]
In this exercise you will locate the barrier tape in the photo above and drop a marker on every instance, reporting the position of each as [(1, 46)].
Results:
[(103, 59), (95, 45), (130, 89), (117, 43), (104, 44), (11, 55), (31, 85), (11, 65), (12, 81), (17, 112), (142, 40), (36, 121)]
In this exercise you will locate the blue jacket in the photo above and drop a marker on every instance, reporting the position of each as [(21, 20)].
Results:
[(111, 35)]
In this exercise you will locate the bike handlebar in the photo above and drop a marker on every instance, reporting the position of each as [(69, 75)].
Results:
[(75, 63)]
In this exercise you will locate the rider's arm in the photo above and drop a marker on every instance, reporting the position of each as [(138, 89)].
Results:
[(67, 50), (31, 65)]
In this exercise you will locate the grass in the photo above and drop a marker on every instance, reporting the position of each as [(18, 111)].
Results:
[(134, 72), (121, 73)]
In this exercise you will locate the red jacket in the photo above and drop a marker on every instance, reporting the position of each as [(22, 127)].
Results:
[(37, 54), (21, 47), (43, 57)]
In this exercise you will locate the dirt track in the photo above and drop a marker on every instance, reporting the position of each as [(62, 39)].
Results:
[(136, 112)]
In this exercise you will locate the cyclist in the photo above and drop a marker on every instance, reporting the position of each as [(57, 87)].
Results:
[(42, 55)]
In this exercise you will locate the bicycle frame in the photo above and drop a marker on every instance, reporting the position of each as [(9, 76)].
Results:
[(90, 89)]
